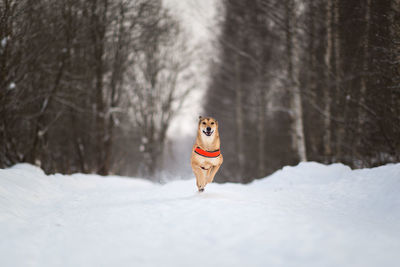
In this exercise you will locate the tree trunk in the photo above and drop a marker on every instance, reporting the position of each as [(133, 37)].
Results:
[(297, 128), (99, 17), (261, 131), (364, 77), (328, 82), (239, 120), (312, 138), (341, 97), (116, 84)]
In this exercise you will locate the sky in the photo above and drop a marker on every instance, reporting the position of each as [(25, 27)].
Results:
[(197, 16)]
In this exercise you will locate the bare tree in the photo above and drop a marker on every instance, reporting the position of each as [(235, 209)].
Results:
[(162, 60), (292, 50)]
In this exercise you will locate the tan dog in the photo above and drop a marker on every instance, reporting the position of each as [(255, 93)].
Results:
[(206, 156)]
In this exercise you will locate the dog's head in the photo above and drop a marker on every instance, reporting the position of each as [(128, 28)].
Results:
[(207, 126)]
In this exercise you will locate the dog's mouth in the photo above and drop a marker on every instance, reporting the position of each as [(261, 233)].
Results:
[(208, 133)]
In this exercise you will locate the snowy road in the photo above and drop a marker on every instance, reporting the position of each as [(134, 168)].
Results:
[(308, 215)]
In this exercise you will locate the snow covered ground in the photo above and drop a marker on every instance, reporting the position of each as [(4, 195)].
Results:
[(307, 215)]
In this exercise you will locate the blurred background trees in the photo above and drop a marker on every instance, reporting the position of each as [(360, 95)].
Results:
[(93, 85), (88, 86), (303, 80)]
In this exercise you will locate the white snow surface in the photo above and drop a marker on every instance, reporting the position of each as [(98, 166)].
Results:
[(306, 215)]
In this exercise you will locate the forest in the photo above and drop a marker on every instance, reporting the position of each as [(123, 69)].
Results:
[(92, 86), (306, 80), (89, 86)]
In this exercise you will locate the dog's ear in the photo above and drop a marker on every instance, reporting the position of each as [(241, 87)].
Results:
[(200, 117)]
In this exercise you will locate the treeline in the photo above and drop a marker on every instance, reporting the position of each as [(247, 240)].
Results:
[(298, 80), (89, 85)]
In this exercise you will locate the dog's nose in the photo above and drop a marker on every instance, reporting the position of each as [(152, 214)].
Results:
[(208, 129)]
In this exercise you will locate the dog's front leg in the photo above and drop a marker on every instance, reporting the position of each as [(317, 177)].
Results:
[(212, 172)]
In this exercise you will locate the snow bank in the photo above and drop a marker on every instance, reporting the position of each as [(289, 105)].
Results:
[(307, 215)]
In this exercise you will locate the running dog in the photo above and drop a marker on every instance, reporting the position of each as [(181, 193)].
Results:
[(206, 156)]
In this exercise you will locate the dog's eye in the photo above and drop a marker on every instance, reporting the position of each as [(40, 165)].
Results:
[(212, 123), (204, 122)]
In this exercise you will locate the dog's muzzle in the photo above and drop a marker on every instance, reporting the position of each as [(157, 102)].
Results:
[(208, 133)]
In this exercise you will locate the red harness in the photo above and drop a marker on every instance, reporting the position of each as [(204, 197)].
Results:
[(207, 154)]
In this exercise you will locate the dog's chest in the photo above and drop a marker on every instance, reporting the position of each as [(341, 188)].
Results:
[(208, 162)]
